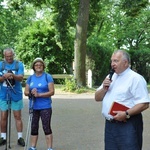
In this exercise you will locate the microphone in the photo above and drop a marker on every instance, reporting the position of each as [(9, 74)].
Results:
[(110, 75)]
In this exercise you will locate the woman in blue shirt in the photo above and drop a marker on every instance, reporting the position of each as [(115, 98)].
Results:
[(40, 85)]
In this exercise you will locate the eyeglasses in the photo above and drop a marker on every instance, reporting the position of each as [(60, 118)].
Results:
[(38, 65), (11, 56)]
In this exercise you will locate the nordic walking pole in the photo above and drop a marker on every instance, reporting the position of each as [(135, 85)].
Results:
[(31, 102), (8, 129), (9, 115), (28, 134), (8, 132)]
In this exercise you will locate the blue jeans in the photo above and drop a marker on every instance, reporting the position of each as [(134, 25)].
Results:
[(124, 135)]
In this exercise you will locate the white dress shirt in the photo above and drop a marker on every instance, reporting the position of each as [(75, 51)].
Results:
[(128, 88)]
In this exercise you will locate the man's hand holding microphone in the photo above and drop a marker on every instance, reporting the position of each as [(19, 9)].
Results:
[(107, 81)]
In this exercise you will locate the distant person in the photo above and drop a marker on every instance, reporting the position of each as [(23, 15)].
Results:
[(124, 129), (11, 71), (40, 86)]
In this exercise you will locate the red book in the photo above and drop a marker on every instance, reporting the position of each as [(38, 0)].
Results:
[(117, 107)]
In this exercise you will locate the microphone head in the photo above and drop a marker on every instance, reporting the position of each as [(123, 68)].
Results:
[(111, 73)]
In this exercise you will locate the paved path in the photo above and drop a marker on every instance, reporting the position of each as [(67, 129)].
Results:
[(77, 124)]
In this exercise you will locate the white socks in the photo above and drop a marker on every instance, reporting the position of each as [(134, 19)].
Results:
[(3, 135), (19, 135)]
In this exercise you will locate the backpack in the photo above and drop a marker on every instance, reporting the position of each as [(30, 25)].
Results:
[(10, 81), (16, 65)]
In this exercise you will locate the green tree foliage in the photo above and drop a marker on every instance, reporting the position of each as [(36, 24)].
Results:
[(39, 40), (116, 30), (64, 20), (133, 8), (58, 13), (141, 62), (112, 25), (133, 33), (11, 22), (100, 41), (8, 27), (98, 60)]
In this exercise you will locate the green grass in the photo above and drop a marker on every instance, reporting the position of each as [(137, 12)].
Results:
[(61, 88)]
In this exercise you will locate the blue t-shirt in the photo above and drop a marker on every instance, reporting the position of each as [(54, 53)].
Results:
[(11, 92), (41, 84)]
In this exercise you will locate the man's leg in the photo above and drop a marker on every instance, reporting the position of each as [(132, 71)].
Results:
[(18, 121), (19, 126), (4, 116), (17, 106)]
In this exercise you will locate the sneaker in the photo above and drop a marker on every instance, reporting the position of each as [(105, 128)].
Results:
[(2, 141), (32, 148), (21, 142)]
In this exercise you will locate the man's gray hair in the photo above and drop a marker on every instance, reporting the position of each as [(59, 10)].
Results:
[(8, 50), (126, 55)]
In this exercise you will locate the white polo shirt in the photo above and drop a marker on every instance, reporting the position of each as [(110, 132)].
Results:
[(128, 88)]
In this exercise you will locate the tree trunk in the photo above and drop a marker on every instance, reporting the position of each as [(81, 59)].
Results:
[(80, 42)]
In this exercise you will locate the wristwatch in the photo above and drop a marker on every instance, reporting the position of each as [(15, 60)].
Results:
[(127, 114)]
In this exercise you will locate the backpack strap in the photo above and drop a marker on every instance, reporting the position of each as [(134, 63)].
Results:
[(3, 65), (46, 77), (16, 65)]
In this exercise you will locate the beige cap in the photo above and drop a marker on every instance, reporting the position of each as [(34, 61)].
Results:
[(38, 59)]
